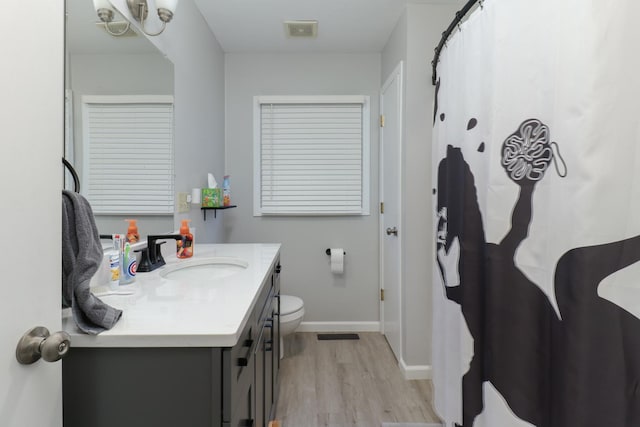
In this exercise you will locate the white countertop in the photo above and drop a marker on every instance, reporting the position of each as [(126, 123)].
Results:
[(181, 312)]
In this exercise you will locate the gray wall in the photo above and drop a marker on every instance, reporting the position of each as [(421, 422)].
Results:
[(103, 75), (352, 297), (417, 33), (396, 48), (199, 91)]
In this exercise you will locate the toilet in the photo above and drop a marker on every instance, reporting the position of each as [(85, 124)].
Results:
[(291, 314)]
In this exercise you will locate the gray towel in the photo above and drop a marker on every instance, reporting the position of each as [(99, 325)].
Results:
[(81, 256)]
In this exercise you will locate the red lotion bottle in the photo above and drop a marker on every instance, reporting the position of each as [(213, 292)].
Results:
[(184, 246)]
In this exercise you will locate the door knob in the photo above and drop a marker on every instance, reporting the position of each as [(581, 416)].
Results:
[(37, 343), (391, 231)]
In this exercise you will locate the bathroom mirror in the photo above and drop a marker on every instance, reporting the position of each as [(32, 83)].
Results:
[(98, 64)]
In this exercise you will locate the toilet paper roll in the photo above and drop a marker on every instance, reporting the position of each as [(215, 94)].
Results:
[(195, 196), (337, 260)]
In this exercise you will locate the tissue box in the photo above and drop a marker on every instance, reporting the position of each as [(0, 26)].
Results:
[(211, 197)]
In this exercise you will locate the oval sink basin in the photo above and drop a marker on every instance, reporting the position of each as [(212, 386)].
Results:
[(204, 269)]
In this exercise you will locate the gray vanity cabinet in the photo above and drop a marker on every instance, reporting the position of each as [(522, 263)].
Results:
[(267, 355), (271, 391), (187, 386)]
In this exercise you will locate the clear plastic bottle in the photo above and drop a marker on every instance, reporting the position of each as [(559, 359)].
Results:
[(114, 267), (226, 191)]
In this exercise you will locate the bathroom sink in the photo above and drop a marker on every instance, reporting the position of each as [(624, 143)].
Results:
[(204, 269)]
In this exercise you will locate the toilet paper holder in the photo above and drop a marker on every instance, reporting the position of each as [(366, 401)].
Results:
[(328, 251)]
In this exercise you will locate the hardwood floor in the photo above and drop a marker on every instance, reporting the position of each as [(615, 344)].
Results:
[(339, 383)]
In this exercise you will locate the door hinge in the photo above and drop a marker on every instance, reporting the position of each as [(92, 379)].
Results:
[(381, 207), (381, 121), (381, 294)]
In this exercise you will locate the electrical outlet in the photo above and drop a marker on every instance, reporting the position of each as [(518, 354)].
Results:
[(183, 203)]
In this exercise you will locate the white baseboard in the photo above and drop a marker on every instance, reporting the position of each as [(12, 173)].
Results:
[(415, 372), (339, 327)]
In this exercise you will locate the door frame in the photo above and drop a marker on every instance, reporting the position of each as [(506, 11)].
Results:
[(397, 73)]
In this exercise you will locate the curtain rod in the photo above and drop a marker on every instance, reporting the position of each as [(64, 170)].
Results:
[(445, 36)]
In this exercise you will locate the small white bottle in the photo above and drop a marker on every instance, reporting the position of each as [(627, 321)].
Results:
[(114, 268)]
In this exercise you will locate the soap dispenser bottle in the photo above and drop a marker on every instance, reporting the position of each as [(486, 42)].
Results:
[(132, 232), (184, 246)]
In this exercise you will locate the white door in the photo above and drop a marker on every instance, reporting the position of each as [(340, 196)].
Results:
[(31, 141), (391, 197)]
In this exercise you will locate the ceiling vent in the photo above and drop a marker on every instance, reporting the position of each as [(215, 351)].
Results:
[(307, 29), (118, 27)]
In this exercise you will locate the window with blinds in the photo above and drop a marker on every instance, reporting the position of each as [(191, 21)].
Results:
[(128, 154), (311, 155)]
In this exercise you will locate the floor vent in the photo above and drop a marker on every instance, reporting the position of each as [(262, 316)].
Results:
[(326, 337)]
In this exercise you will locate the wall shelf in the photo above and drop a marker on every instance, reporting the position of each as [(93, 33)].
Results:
[(215, 210)]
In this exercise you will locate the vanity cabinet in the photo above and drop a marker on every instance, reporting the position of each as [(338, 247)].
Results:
[(182, 386)]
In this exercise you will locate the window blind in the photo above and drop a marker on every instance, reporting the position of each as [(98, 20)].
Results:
[(313, 158), (129, 156)]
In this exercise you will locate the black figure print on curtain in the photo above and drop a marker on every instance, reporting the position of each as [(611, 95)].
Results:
[(581, 369)]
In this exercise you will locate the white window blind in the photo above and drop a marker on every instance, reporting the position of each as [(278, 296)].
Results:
[(128, 158), (311, 156)]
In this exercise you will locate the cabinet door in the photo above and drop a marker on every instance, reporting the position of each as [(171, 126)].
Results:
[(259, 382), (269, 382), (238, 372), (243, 410), (276, 324)]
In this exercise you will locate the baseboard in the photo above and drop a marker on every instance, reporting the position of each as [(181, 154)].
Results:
[(339, 327), (415, 372)]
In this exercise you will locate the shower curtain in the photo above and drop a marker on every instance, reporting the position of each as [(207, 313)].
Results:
[(536, 194)]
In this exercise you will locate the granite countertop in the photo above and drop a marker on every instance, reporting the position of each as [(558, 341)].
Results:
[(186, 310)]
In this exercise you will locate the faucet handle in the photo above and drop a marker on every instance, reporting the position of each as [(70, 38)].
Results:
[(159, 258), (145, 263)]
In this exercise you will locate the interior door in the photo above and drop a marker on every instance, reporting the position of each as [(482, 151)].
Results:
[(390, 216), (31, 123)]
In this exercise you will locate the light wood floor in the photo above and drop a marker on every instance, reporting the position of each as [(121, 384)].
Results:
[(341, 383)]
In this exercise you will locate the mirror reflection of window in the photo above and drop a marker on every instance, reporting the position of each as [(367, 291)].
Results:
[(128, 160)]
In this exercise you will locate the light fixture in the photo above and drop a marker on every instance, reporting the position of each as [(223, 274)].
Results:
[(139, 10)]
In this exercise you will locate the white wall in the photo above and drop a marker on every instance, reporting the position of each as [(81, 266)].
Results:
[(416, 35), (396, 48), (352, 297), (199, 106), (103, 75)]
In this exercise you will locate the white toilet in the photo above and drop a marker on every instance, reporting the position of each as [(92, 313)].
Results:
[(291, 314)]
